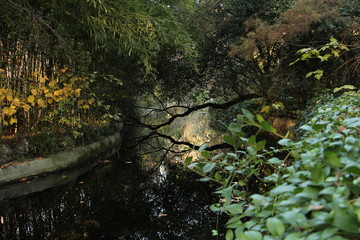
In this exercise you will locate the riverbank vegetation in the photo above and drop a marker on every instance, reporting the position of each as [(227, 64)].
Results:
[(182, 71), (302, 189)]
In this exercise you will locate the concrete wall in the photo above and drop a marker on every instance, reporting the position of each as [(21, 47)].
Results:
[(58, 161)]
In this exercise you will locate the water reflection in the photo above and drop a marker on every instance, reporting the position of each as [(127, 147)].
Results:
[(116, 200)]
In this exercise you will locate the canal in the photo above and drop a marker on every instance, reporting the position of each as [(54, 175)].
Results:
[(117, 199)]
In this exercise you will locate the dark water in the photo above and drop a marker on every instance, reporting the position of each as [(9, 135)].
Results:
[(115, 200)]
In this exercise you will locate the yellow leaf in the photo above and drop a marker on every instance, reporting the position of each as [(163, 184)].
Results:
[(5, 123), (50, 100), (64, 69), (77, 91), (52, 83), (12, 110), (31, 99), (86, 106), (49, 95), (9, 97), (16, 101), (35, 73), (57, 93), (5, 110), (34, 92), (265, 109), (42, 79), (26, 107), (41, 103), (12, 121), (80, 102), (46, 90), (278, 105), (91, 100)]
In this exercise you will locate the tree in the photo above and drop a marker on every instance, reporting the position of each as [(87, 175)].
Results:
[(120, 40)]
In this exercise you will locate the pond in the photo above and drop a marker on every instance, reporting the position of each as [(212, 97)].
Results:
[(117, 199)]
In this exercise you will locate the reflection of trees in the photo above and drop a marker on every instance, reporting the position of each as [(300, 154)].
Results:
[(112, 203)]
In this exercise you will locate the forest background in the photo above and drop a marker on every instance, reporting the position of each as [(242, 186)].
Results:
[(69, 67)]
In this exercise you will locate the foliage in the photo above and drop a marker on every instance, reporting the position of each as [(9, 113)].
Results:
[(311, 192), (333, 49), (251, 48), (136, 28), (63, 99), (61, 58)]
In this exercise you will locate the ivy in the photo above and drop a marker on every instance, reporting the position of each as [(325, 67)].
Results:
[(310, 186)]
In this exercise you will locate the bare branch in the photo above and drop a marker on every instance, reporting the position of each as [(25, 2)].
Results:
[(192, 146), (196, 108)]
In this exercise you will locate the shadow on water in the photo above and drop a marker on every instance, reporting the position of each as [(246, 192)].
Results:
[(115, 200)]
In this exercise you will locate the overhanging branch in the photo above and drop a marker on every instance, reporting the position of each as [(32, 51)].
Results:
[(196, 108)]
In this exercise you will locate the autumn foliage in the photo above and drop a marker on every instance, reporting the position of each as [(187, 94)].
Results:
[(63, 99)]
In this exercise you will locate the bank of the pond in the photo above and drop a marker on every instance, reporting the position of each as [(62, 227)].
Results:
[(58, 161)]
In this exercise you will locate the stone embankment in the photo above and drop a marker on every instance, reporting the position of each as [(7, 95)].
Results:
[(56, 162)]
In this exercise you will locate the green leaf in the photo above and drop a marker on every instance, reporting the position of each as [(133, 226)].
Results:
[(217, 156), (214, 207), (272, 178), (346, 222), (235, 208), (250, 235), (257, 198), (205, 179), (205, 154), (251, 151), (318, 174), (328, 232), (325, 57), (309, 74), (252, 140), (275, 226), (234, 127), (260, 145), (208, 167), (230, 140), (248, 115), (332, 159), (188, 160), (227, 193), (230, 168), (357, 212), (235, 219), (274, 161), (352, 122), (306, 128), (234, 224), (294, 236), (259, 118), (282, 189), (336, 238), (266, 126), (285, 142), (354, 169), (218, 177), (202, 147), (229, 235)]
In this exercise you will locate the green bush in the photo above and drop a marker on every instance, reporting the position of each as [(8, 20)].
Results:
[(311, 186)]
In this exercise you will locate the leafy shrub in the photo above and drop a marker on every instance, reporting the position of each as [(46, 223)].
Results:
[(311, 186), (43, 144)]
